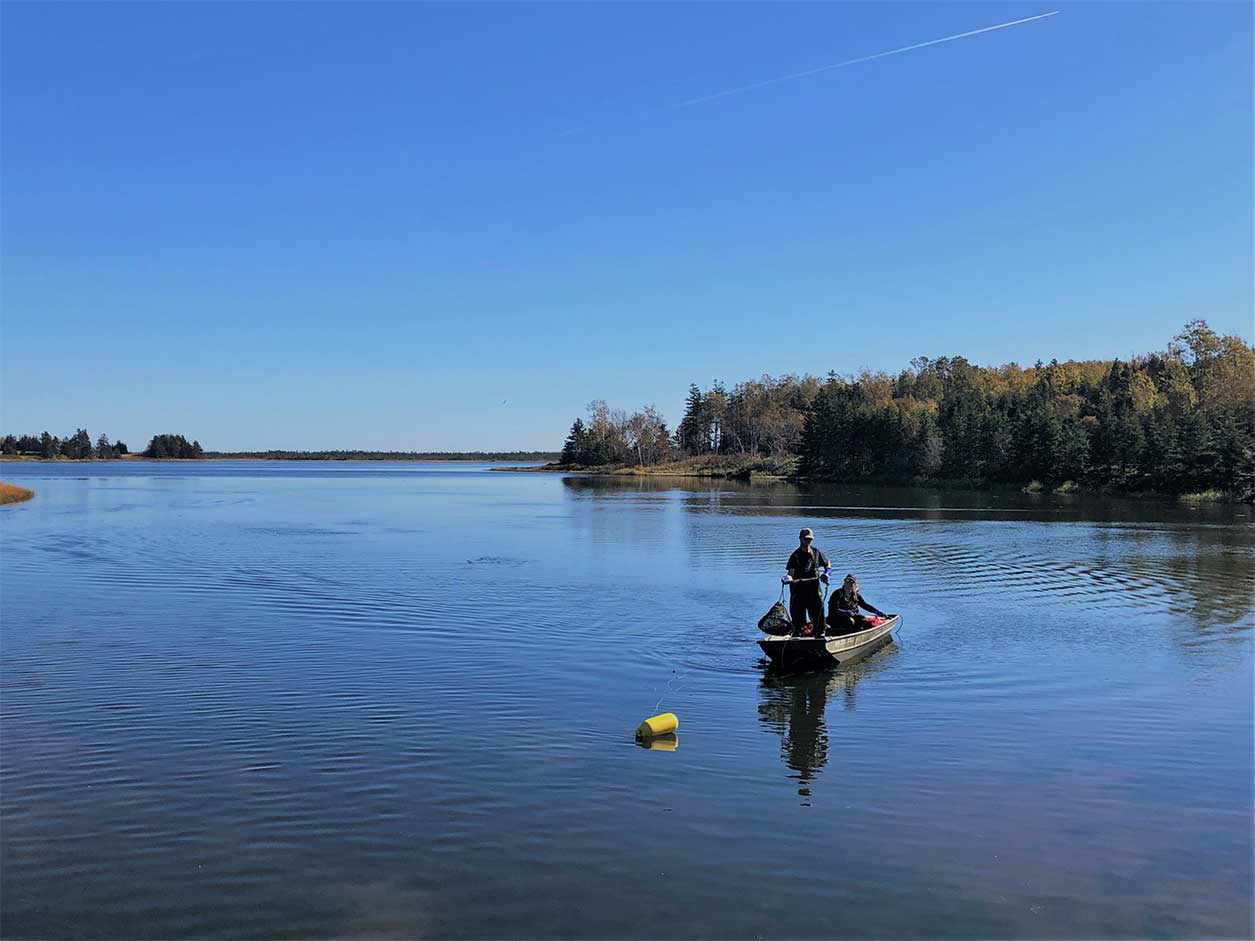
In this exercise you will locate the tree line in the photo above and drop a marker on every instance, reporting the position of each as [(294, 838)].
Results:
[(1175, 421), (79, 446), (278, 455), (173, 446)]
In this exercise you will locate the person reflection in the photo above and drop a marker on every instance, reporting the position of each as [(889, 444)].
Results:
[(793, 706)]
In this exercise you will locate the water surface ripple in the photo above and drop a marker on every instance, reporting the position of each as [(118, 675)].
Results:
[(261, 699)]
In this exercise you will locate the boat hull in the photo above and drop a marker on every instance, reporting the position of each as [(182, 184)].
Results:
[(795, 653)]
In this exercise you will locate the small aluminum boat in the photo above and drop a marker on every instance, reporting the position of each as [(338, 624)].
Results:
[(794, 653)]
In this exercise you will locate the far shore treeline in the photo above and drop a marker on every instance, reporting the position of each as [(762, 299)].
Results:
[(79, 447), (1178, 421), (522, 456)]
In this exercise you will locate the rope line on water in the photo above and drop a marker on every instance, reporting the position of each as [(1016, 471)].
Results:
[(670, 683), (676, 676)]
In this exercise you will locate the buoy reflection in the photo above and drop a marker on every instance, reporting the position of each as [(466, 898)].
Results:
[(666, 742)]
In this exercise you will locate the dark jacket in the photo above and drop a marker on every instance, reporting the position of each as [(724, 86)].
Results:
[(803, 564), (847, 604)]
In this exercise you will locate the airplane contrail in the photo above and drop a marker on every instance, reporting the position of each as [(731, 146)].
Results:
[(840, 65), (823, 68)]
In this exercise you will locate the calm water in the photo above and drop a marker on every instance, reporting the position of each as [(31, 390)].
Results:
[(385, 700)]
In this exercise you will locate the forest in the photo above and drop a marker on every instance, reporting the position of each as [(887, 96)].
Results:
[(79, 447), (1177, 421)]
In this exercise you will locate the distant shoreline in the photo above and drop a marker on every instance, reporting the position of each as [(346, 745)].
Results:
[(752, 470), (719, 467), (402, 457), (749, 476)]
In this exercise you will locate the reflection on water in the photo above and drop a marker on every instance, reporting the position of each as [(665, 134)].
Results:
[(1131, 554), (793, 706), (668, 741), (247, 699)]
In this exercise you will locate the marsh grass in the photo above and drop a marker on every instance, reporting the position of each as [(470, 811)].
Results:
[(717, 465), (1204, 496), (708, 465), (9, 493)]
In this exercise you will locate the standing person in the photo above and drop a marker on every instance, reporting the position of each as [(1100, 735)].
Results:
[(806, 566)]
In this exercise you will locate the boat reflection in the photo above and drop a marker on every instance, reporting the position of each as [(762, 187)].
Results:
[(793, 705)]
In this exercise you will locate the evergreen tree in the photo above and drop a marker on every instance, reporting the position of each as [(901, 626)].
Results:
[(172, 446), (1175, 421), (81, 444), (576, 444), (693, 432)]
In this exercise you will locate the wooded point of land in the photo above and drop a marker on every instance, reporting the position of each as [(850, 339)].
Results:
[(1178, 421)]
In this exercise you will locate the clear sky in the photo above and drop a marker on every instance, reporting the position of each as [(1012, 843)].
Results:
[(427, 226)]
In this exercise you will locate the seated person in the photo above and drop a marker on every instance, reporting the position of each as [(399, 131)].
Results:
[(843, 605)]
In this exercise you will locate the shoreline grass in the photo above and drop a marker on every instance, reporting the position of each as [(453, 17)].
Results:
[(768, 470), (717, 466), (11, 493), (1204, 496)]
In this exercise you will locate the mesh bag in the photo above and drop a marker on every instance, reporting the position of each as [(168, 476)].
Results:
[(776, 620)]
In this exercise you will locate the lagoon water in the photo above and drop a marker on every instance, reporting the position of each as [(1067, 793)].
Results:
[(262, 699)]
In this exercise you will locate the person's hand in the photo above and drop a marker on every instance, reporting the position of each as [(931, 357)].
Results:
[(824, 578), (785, 579)]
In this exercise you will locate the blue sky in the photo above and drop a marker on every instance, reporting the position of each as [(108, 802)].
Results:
[(368, 225)]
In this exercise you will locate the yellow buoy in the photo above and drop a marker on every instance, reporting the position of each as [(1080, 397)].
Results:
[(658, 725), (665, 742)]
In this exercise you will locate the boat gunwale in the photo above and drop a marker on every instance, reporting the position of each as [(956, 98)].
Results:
[(845, 642)]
